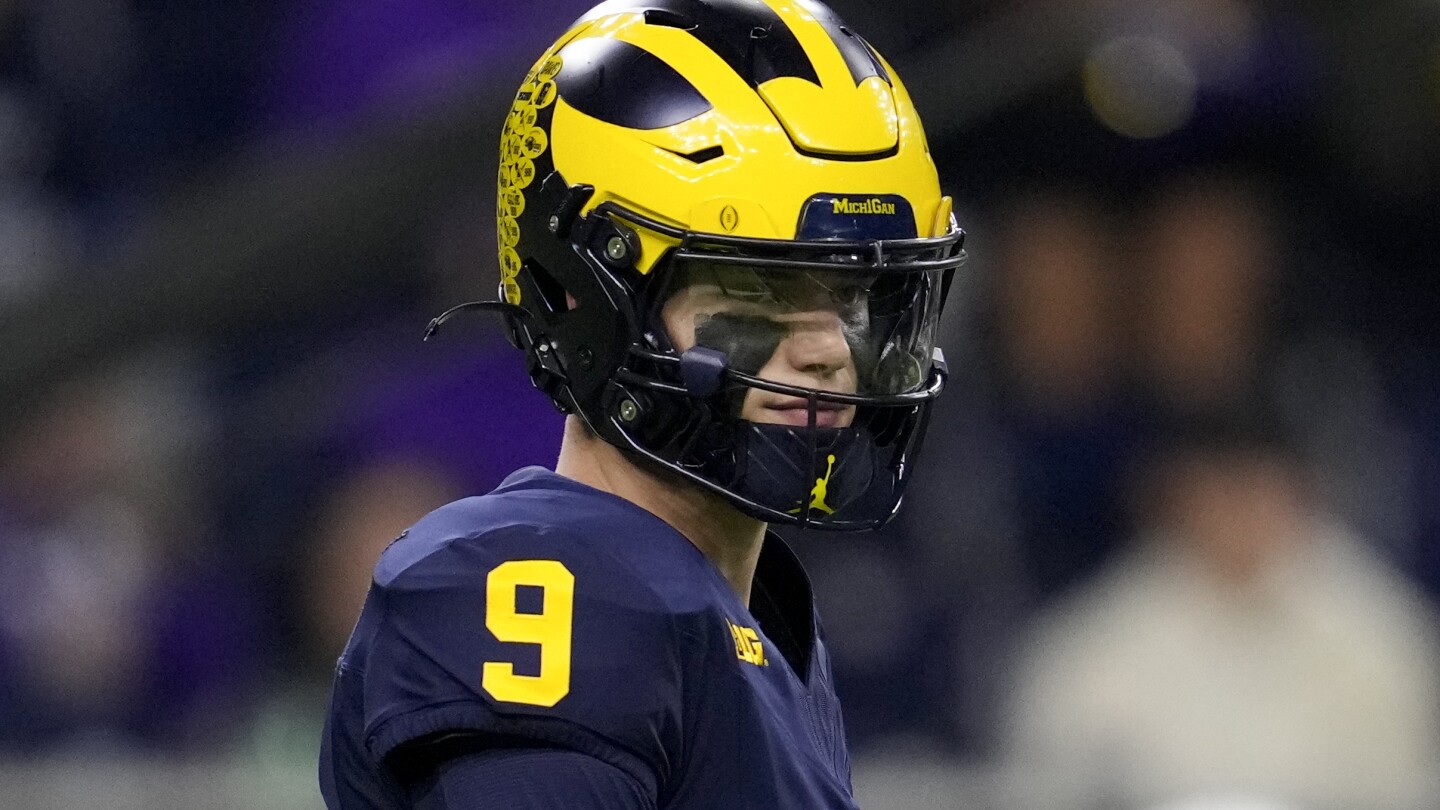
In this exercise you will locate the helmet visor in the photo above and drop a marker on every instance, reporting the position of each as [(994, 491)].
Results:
[(845, 330)]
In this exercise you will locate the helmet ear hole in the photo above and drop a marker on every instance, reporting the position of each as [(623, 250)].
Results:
[(552, 293)]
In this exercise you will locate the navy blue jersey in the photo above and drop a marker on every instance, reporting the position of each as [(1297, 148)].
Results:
[(553, 615)]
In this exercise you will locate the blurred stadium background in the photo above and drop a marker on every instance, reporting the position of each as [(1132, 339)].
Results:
[(1177, 541)]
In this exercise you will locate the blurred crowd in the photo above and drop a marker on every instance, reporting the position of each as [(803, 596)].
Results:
[(1176, 531)]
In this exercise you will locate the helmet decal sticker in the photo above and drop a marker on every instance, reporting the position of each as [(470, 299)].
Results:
[(822, 484), (534, 143), (522, 142), (729, 218)]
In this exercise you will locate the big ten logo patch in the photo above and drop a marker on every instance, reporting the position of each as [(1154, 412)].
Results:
[(523, 142), (747, 644)]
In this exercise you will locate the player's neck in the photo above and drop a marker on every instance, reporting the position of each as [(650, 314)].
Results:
[(728, 538)]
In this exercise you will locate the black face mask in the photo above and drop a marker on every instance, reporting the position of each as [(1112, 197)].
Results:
[(686, 406)]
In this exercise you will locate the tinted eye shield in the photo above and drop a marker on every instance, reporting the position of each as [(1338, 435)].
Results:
[(704, 370)]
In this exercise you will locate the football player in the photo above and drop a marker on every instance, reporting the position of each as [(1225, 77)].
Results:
[(723, 250)]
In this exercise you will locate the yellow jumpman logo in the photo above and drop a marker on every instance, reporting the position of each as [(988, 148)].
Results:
[(817, 495)]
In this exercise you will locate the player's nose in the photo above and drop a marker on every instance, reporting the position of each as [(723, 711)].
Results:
[(816, 345)]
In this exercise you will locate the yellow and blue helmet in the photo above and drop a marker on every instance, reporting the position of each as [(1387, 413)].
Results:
[(722, 244)]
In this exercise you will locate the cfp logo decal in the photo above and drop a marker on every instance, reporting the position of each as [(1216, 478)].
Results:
[(521, 144), (747, 645)]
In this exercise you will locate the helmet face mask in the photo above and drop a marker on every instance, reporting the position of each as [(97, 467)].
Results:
[(821, 383), (788, 368)]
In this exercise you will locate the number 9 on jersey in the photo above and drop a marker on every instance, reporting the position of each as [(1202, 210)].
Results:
[(550, 629)]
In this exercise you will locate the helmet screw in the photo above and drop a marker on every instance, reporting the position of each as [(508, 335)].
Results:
[(616, 249), (628, 410), (554, 223), (587, 357)]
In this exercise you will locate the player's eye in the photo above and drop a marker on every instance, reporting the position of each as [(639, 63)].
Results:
[(848, 295)]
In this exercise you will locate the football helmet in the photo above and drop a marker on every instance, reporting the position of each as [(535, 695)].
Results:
[(722, 244)]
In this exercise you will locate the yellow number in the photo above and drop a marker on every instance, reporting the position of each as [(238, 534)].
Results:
[(550, 629)]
